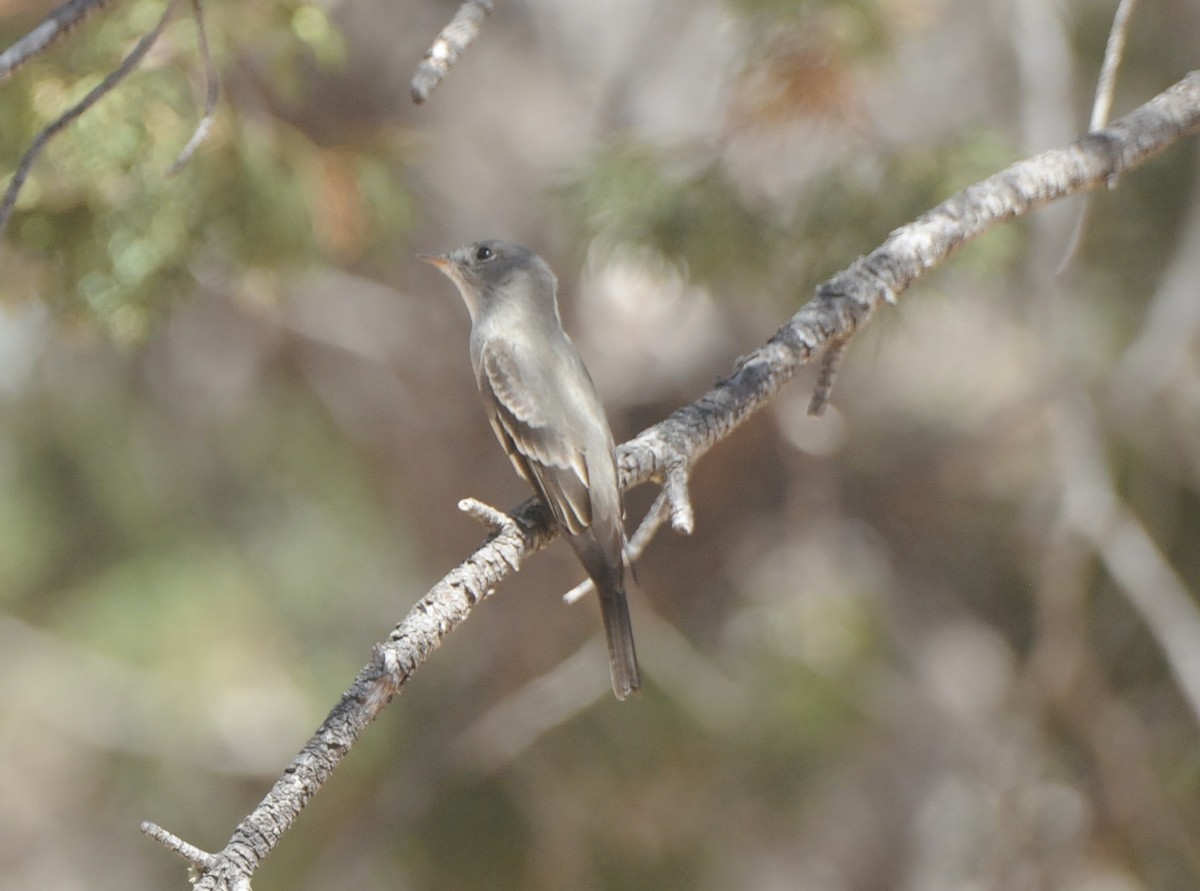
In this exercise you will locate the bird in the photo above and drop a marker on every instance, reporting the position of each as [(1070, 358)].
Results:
[(547, 414)]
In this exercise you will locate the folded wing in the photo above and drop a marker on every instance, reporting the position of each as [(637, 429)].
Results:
[(542, 452)]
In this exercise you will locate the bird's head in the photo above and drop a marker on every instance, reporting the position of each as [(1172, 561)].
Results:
[(492, 274)]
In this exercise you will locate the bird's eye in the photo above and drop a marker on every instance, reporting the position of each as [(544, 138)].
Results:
[(484, 253)]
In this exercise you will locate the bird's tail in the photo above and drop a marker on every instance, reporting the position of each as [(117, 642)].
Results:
[(622, 659), (606, 569)]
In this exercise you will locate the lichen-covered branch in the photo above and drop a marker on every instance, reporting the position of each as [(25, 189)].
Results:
[(666, 451)]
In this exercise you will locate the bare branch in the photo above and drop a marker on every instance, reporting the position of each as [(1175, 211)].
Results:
[(649, 526), (645, 533), (190, 853), (825, 376), (849, 299), (501, 524), (546, 702), (51, 28), (56, 126), (675, 485), (1106, 85), (841, 306), (212, 93), (570, 688), (454, 38), (1092, 509), (434, 616), (1114, 50), (494, 519)]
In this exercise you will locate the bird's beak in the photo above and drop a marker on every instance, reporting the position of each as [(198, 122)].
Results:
[(450, 268), (441, 261), (447, 266)]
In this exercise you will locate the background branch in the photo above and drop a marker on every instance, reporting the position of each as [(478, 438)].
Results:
[(1106, 86), (448, 46), (51, 28), (62, 121), (212, 92)]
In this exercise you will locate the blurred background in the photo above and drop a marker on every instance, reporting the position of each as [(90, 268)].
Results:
[(944, 637)]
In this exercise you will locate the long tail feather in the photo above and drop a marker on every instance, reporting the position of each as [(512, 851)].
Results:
[(622, 658)]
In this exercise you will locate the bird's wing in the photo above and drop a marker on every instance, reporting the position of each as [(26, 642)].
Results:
[(540, 451)]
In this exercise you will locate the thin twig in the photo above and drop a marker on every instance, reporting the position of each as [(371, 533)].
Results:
[(502, 526), (646, 530), (493, 518), (50, 29), (650, 524), (189, 852), (1092, 509), (212, 93), (554, 698), (544, 703), (825, 377), (1106, 85), (675, 486), (56, 126), (453, 39), (1114, 51)]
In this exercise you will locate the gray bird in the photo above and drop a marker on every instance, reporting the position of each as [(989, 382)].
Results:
[(546, 413)]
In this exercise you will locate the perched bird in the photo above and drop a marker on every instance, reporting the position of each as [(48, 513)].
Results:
[(546, 413)]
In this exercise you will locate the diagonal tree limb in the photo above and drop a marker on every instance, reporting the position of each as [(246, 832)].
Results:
[(845, 302), (434, 616), (60, 20), (840, 307)]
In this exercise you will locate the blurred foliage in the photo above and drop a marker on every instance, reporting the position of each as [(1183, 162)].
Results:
[(1141, 225), (689, 208), (257, 193), (859, 26), (132, 527), (695, 217)]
